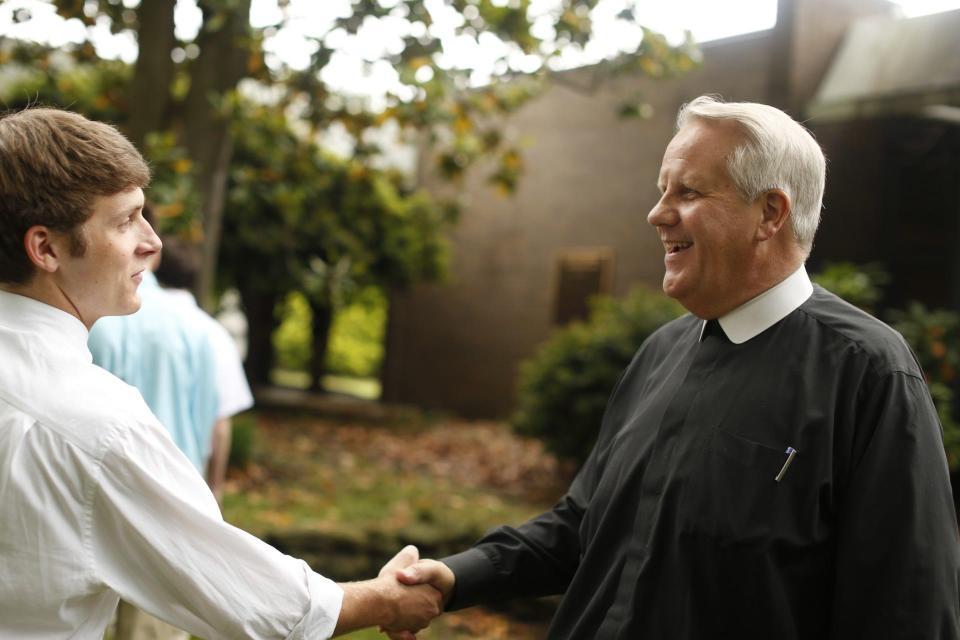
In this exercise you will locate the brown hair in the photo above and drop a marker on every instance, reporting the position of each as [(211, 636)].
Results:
[(53, 165)]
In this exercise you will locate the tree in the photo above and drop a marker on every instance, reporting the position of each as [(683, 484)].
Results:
[(186, 86), (301, 220), (182, 99)]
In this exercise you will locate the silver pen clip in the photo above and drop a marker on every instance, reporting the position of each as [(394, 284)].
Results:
[(791, 454)]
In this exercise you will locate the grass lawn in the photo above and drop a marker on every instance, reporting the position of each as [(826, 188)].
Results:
[(371, 488)]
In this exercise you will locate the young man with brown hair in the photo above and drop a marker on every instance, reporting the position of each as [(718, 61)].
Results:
[(96, 502)]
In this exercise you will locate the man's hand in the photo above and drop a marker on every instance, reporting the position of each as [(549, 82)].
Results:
[(425, 572), (386, 602), (407, 556), (431, 572)]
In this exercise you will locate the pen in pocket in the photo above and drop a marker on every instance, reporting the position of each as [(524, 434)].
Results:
[(791, 454)]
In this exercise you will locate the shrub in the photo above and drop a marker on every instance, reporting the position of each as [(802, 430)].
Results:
[(934, 335), (355, 345), (356, 337), (564, 386), (291, 340), (860, 285), (243, 441)]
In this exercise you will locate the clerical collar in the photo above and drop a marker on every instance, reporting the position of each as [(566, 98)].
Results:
[(770, 307)]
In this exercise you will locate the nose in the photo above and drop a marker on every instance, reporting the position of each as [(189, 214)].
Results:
[(662, 213), (150, 242)]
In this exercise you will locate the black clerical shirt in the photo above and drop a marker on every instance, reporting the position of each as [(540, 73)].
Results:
[(676, 526)]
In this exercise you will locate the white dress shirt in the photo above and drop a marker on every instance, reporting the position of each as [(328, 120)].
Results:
[(233, 389), (97, 502), (757, 315)]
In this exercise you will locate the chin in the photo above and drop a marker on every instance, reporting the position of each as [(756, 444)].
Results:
[(132, 306), (673, 288)]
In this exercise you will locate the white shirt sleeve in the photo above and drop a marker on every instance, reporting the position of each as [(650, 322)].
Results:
[(157, 538)]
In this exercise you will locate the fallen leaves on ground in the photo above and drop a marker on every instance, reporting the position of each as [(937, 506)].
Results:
[(475, 454)]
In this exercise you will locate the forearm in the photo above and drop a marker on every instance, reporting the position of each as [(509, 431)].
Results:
[(365, 604), (535, 559), (219, 456), (387, 603)]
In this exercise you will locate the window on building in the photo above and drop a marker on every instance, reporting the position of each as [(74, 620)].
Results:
[(582, 273)]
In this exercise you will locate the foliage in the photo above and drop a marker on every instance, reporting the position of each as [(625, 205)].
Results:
[(860, 285), (564, 387), (171, 188), (403, 480), (95, 88), (291, 340), (426, 91), (356, 339), (243, 445), (301, 220), (92, 87), (297, 217), (345, 496), (219, 103), (934, 335)]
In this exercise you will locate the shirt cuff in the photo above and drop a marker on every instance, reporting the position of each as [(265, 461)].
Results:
[(475, 573), (326, 599)]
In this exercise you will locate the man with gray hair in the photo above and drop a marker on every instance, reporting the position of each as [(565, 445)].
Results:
[(769, 465)]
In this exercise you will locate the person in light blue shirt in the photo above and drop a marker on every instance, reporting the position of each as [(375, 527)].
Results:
[(159, 351)]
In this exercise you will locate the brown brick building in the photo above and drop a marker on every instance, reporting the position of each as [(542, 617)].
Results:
[(524, 264)]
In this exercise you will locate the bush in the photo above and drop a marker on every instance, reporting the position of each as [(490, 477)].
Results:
[(860, 285), (564, 386), (355, 345), (934, 335), (356, 337), (291, 340), (243, 442)]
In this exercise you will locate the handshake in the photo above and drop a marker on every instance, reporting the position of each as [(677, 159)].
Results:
[(405, 597)]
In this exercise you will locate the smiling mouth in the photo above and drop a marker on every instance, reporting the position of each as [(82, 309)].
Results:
[(676, 247)]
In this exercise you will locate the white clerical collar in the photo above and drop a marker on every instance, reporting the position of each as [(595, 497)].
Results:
[(770, 307)]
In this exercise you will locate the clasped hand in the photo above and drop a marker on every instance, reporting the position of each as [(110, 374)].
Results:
[(411, 573)]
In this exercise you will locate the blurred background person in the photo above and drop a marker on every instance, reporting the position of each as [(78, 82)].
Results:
[(177, 273)]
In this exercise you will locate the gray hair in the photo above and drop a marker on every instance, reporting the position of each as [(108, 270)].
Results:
[(778, 153)]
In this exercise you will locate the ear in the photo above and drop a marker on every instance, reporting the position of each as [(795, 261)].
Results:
[(44, 247), (776, 207)]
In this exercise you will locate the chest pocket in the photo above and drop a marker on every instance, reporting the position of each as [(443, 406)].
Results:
[(732, 494)]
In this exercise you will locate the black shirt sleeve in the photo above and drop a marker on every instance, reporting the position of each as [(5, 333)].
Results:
[(539, 557), (535, 559), (897, 554)]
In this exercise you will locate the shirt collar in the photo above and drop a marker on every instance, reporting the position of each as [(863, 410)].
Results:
[(770, 307), (26, 315)]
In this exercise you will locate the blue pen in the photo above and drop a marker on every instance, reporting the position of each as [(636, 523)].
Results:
[(791, 454)]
